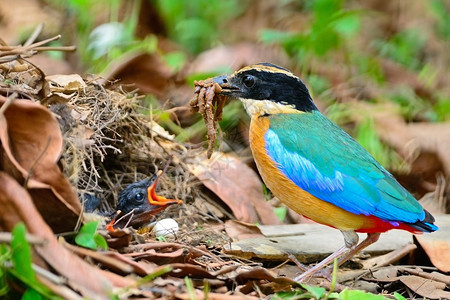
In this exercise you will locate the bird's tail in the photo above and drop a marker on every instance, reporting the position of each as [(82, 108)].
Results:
[(426, 225)]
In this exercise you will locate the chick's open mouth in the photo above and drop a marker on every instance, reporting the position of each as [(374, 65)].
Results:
[(155, 199)]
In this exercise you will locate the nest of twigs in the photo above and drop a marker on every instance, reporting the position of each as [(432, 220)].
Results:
[(111, 140), (112, 145)]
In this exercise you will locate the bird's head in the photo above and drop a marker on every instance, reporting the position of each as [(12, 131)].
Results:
[(267, 89), (141, 198), (135, 196)]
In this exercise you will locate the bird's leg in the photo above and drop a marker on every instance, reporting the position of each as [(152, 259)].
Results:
[(370, 239), (351, 240)]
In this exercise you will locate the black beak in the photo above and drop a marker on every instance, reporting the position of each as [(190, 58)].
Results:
[(224, 81), (149, 181)]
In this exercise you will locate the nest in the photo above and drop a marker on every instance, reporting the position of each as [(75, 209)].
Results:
[(110, 139), (110, 145)]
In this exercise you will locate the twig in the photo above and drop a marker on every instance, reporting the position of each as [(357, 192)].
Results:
[(130, 214), (59, 289), (38, 44), (29, 49), (49, 275), (6, 237), (8, 102), (34, 35), (15, 51)]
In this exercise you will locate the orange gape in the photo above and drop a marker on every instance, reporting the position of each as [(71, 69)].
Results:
[(154, 199)]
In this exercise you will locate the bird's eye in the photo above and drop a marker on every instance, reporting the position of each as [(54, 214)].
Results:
[(249, 81), (139, 196)]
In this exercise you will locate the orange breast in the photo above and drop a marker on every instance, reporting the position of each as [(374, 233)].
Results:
[(291, 195)]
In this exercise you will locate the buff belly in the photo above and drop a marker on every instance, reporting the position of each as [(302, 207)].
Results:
[(291, 195)]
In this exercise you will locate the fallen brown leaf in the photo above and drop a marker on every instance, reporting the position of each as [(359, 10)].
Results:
[(237, 185), (239, 230), (103, 258), (426, 287), (386, 274), (65, 83), (263, 274), (214, 296), (165, 253), (32, 144), (182, 270), (437, 244), (146, 72), (141, 268), (433, 275), (119, 238)]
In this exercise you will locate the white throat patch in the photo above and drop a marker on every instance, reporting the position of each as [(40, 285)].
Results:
[(257, 108)]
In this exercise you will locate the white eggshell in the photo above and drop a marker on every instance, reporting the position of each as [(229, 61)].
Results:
[(166, 227)]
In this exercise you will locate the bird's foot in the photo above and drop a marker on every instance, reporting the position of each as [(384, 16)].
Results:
[(311, 272)]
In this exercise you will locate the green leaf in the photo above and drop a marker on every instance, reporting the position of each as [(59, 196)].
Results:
[(398, 296), (161, 238), (100, 241), (31, 294), (291, 295), (196, 24), (324, 9), (175, 60), (334, 278), (280, 212), (358, 295), (23, 269), (190, 287), (348, 25), (318, 83), (89, 238), (315, 291), (21, 253), (442, 109), (405, 47), (4, 253), (275, 36)]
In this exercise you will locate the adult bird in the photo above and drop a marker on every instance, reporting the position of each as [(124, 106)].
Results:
[(316, 168)]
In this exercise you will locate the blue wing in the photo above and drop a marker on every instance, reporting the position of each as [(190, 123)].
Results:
[(325, 161)]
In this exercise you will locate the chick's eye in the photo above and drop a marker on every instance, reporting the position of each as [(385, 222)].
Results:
[(139, 196), (249, 81)]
